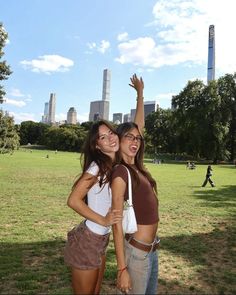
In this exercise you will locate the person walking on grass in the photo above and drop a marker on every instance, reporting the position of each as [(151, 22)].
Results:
[(86, 245), (208, 177)]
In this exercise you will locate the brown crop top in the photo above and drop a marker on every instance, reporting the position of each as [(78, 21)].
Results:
[(145, 201)]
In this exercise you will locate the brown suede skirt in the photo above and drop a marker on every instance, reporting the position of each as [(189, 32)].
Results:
[(84, 248)]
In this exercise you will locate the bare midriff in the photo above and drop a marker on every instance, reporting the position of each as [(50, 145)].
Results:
[(146, 233)]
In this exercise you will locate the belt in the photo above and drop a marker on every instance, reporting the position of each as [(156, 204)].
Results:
[(147, 248)]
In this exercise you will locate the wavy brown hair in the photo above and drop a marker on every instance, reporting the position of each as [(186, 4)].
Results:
[(90, 153)]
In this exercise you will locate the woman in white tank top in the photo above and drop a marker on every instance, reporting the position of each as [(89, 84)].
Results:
[(86, 245)]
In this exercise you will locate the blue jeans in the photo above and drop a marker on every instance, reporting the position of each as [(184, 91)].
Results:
[(143, 269)]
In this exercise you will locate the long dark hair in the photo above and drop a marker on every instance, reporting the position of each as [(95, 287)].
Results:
[(90, 153), (121, 130)]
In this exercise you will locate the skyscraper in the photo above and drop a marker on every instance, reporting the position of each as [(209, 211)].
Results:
[(52, 108), (132, 114), (117, 118), (149, 107), (45, 114), (100, 108), (72, 116), (106, 85), (126, 118), (211, 54)]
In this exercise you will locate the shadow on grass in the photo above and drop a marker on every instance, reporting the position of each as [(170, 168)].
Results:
[(33, 268), (213, 255), (223, 197), (38, 268)]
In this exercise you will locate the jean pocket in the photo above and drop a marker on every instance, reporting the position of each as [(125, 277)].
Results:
[(138, 254)]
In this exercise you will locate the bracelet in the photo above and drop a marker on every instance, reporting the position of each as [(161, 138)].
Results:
[(139, 98), (122, 269)]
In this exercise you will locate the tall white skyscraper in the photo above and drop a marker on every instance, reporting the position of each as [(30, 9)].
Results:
[(52, 108), (99, 109), (211, 54), (106, 85)]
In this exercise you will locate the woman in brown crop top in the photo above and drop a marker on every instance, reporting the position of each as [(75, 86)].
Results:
[(136, 254)]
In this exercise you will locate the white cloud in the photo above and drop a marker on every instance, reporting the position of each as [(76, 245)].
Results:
[(20, 117), (165, 95), (82, 117), (123, 37), (164, 99), (48, 64), (16, 92), (182, 35), (91, 45), (60, 117), (102, 48), (16, 103)]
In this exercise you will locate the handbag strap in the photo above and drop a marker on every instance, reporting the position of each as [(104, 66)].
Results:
[(129, 187)]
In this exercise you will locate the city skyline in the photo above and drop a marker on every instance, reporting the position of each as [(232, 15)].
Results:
[(63, 47)]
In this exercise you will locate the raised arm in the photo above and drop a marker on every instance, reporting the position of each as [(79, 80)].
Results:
[(138, 85)]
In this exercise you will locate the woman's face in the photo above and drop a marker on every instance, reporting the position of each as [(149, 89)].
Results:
[(108, 141), (130, 143)]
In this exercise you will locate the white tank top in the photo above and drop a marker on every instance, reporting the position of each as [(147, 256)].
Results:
[(99, 200)]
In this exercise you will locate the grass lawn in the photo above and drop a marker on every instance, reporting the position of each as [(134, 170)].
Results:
[(197, 226)]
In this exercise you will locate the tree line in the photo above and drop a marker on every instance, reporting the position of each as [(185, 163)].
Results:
[(201, 123)]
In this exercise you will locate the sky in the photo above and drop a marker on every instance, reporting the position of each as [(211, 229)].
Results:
[(62, 47)]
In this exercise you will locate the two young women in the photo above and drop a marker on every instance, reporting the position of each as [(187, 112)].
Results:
[(86, 245)]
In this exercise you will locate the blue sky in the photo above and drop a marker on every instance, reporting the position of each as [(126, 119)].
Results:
[(62, 47)]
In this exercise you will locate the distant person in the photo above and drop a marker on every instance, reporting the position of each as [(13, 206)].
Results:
[(208, 177), (192, 165)]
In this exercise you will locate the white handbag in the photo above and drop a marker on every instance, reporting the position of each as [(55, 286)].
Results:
[(129, 222)]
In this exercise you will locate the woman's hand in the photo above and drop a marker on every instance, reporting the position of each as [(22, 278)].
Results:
[(124, 281), (113, 216), (137, 84)]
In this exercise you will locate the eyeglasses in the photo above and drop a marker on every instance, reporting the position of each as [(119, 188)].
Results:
[(131, 137)]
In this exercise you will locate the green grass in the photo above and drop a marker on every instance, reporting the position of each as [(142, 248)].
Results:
[(197, 226)]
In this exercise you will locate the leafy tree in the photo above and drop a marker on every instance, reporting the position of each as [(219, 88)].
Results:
[(159, 135), (227, 92), (65, 138), (33, 132), (189, 105), (9, 139), (87, 125), (4, 68)]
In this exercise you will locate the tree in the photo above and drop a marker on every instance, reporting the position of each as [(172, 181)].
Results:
[(33, 132), (227, 92), (9, 139), (65, 138), (159, 132), (189, 112), (4, 68)]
